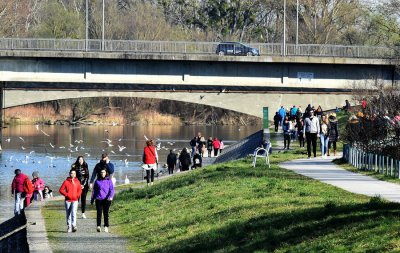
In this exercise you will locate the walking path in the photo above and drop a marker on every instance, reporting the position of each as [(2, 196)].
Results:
[(36, 230), (324, 170)]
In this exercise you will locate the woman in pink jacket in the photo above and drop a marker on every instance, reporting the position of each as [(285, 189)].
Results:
[(38, 185)]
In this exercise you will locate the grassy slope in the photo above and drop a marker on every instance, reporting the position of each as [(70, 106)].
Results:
[(235, 208)]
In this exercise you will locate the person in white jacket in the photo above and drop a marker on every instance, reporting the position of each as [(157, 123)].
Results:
[(311, 133)]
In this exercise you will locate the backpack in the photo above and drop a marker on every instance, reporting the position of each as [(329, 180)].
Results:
[(28, 187)]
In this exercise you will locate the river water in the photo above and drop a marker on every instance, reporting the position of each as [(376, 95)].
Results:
[(52, 149)]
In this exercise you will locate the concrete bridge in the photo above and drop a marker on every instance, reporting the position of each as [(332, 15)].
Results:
[(239, 83)]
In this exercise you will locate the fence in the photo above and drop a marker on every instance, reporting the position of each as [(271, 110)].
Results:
[(241, 149), (191, 47), (13, 235), (372, 162)]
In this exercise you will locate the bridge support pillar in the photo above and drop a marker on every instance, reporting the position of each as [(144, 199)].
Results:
[(2, 85)]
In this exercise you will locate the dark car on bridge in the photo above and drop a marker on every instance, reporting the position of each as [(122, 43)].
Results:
[(236, 48)]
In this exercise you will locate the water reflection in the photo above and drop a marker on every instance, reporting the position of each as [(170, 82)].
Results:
[(52, 149)]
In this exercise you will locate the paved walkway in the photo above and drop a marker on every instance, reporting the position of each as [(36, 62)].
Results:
[(326, 171), (36, 230)]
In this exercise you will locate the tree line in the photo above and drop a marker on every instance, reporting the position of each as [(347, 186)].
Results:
[(346, 22)]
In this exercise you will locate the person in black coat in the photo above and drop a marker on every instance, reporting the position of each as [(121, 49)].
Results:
[(333, 133), (197, 161), (277, 119), (184, 159), (171, 161)]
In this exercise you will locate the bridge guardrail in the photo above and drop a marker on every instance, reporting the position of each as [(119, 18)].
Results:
[(188, 47)]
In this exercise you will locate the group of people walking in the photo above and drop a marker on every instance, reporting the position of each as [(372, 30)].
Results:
[(74, 189), (307, 127), (200, 145)]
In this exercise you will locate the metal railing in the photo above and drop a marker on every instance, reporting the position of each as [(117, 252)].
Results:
[(241, 149), (372, 162), (187, 47)]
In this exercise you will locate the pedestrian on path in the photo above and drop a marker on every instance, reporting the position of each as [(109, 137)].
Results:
[(209, 146), (104, 162), (38, 185), (150, 160), (103, 194), (311, 133), (171, 162), (197, 161), (333, 133), (282, 114), (277, 119), (324, 135), (71, 189), (287, 128), (82, 173), (221, 146), (184, 159), (216, 145), (17, 189), (300, 128)]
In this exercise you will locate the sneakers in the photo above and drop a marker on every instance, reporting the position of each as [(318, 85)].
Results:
[(69, 230), (83, 216), (98, 229), (106, 229), (74, 229)]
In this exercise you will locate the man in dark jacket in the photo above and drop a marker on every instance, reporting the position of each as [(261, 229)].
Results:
[(171, 161), (104, 163)]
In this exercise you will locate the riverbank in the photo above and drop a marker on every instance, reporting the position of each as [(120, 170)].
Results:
[(45, 113), (234, 207)]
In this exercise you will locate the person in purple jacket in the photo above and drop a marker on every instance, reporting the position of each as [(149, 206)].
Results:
[(103, 194)]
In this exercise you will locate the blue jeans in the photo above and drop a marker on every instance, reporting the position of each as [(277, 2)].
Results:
[(71, 208), (19, 202), (324, 143)]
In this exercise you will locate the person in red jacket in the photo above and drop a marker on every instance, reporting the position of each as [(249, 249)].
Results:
[(71, 189), (216, 145), (17, 189), (150, 160)]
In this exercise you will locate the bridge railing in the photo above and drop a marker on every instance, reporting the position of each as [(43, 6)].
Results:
[(189, 47)]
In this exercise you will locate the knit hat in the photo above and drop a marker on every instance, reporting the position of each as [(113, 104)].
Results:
[(35, 174)]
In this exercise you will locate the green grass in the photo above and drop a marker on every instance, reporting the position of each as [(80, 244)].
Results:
[(233, 207)]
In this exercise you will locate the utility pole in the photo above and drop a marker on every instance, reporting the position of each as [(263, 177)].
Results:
[(284, 27), (297, 23), (87, 26), (102, 37)]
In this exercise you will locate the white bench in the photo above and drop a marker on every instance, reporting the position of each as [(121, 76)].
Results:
[(261, 152)]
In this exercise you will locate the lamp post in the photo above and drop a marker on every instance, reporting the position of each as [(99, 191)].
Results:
[(284, 27), (102, 36), (297, 23), (87, 26)]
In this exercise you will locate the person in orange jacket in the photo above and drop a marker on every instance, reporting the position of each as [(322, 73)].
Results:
[(71, 189)]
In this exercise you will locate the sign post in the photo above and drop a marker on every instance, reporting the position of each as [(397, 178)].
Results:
[(265, 118)]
